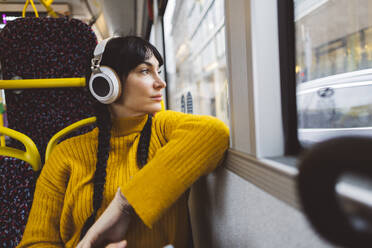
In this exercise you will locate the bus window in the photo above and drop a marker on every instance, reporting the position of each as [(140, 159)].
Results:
[(194, 35), (333, 68)]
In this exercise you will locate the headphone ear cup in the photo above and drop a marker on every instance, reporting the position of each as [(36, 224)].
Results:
[(105, 85)]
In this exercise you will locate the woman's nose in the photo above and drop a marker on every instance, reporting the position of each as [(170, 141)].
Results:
[(159, 83)]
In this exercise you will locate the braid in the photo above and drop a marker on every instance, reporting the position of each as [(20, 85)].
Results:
[(104, 127), (144, 143), (122, 54), (99, 179)]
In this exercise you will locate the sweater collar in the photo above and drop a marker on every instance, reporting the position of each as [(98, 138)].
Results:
[(127, 125)]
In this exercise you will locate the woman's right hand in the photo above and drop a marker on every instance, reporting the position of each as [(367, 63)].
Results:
[(121, 244), (111, 226)]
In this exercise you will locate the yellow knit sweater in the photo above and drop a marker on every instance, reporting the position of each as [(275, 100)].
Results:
[(183, 147)]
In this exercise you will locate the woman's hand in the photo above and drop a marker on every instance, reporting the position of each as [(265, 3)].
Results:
[(111, 226), (121, 244)]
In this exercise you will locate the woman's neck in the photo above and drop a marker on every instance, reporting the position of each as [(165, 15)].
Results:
[(127, 125), (118, 111)]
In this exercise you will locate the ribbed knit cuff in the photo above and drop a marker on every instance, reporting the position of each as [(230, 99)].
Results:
[(141, 196)]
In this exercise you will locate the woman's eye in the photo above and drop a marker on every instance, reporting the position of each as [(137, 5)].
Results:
[(159, 72), (144, 71)]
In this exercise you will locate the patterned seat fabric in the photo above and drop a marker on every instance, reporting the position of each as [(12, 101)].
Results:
[(33, 48), (17, 181)]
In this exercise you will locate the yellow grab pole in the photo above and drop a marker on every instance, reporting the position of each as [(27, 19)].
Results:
[(47, 2), (25, 7), (42, 83), (2, 137), (31, 155), (2, 111), (48, 8), (67, 130)]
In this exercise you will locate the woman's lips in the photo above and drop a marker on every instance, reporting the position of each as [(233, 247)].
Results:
[(157, 98)]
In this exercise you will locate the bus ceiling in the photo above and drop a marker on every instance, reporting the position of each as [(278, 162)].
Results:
[(108, 17)]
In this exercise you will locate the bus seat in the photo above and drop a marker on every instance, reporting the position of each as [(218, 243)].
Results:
[(66, 131), (39, 48), (31, 155), (72, 128)]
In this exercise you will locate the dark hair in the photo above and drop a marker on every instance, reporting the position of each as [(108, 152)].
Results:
[(122, 54)]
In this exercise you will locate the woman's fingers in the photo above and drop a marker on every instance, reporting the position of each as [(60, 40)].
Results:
[(83, 244), (121, 244)]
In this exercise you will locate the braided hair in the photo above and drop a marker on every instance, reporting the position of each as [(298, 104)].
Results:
[(122, 54)]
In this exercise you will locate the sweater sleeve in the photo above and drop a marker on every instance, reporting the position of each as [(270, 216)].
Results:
[(42, 228), (195, 145)]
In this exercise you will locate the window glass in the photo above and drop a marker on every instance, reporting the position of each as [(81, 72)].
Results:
[(194, 34), (333, 68)]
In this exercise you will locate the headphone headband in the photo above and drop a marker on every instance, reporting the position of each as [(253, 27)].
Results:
[(100, 48), (97, 54)]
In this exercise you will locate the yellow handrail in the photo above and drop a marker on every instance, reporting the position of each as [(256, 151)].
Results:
[(67, 130), (2, 111), (2, 137), (42, 83), (31, 155), (25, 7), (46, 4)]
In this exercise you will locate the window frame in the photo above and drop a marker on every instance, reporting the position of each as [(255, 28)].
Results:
[(156, 36), (286, 26), (261, 132), (255, 99), (267, 163)]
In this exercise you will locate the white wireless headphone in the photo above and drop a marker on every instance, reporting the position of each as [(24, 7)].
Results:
[(104, 83)]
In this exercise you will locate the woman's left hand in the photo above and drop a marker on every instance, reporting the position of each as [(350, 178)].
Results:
[(111, 226)]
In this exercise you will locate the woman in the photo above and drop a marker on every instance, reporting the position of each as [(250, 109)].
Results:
[(126, 179)]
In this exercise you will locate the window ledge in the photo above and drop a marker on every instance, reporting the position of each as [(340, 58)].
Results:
[(274, 177), (277, 176)]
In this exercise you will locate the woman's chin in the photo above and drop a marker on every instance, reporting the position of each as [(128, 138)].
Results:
[(153, 110)]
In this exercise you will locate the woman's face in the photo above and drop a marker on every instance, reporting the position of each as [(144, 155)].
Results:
[(141, 93)]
